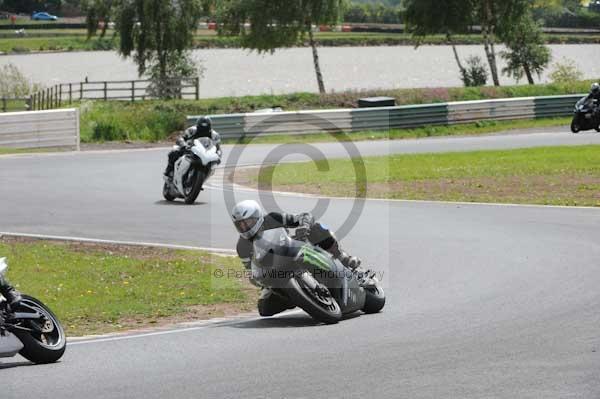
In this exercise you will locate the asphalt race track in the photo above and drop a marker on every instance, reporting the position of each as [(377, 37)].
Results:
[(484, 301)]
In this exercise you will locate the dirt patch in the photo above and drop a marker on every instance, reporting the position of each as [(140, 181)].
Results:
[(125, 145)]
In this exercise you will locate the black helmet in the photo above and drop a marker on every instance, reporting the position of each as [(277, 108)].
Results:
[(595, 88), (204, 125)]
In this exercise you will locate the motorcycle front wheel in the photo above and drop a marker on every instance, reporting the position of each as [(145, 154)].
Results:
[(575, 126), (167, 193), (194, 186), (47, 343), (320, 306), (375, 300)]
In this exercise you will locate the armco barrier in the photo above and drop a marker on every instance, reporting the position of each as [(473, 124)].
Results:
[(56, 128), (410, 116)]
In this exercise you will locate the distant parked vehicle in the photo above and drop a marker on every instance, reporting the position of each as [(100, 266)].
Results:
[(587, 115), (43, 16)]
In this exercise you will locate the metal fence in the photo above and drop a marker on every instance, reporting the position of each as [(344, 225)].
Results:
[(125, 90), (410, 116), (55, 128)]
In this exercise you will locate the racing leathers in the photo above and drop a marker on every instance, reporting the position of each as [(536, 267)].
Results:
[(271, 303)]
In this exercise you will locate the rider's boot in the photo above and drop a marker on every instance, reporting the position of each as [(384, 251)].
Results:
[(271, 303), (9, 292), (168, 174)]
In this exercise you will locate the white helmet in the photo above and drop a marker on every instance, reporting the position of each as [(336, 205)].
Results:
[(248, 217)]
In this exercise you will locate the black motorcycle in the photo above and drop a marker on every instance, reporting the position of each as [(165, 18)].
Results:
[(587, 115), (31, 329), (310, 278)]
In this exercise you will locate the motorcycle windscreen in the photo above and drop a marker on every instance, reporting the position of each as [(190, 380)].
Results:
[(9, 345)]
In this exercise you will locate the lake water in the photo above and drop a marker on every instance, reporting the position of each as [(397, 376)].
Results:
[(230, 72)]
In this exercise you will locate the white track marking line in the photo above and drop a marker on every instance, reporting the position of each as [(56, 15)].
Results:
[(221, 251), (173, 330)]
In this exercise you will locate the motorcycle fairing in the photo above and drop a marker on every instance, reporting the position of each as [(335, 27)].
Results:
[(206, 151), (9, 344), (182, 166)]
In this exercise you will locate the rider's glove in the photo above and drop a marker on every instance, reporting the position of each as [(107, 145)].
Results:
[(181, 142), (306, 220)]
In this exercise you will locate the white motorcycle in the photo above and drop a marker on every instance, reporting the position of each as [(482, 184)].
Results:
[(192, 170)]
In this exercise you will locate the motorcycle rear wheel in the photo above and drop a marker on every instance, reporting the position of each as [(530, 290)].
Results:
[(325, 310), (45, 347)]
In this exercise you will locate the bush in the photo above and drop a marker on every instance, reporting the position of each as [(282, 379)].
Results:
[(565, 71), (475, 74), (107, 131), (13, 83)]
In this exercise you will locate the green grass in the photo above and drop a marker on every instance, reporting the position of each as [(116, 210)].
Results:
[(552, 175), (484, 127), (66, 43), (95, 290), (9, 151), (76, 40)]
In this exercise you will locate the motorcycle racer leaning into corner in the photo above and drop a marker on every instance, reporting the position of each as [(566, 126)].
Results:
[(203, 128), (250, 219)]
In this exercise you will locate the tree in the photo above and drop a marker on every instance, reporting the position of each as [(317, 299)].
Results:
[(97, 11), (428, 17), (158, 34), (526, 53), (30, 6), (14, 84), (278, 23)]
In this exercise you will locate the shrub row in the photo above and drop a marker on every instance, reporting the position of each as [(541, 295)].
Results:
[(159, 120)]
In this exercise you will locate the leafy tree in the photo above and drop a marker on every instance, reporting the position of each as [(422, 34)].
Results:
[(356, 13), (157, 33), (96, 11), (278, 23), (526, 53), (30, 6), (428, 17)]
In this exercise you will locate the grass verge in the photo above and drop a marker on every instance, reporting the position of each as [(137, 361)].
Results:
[(10, 151), (549, 176), (470, 129), (158, 120), (101, 288), (76, 40)]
